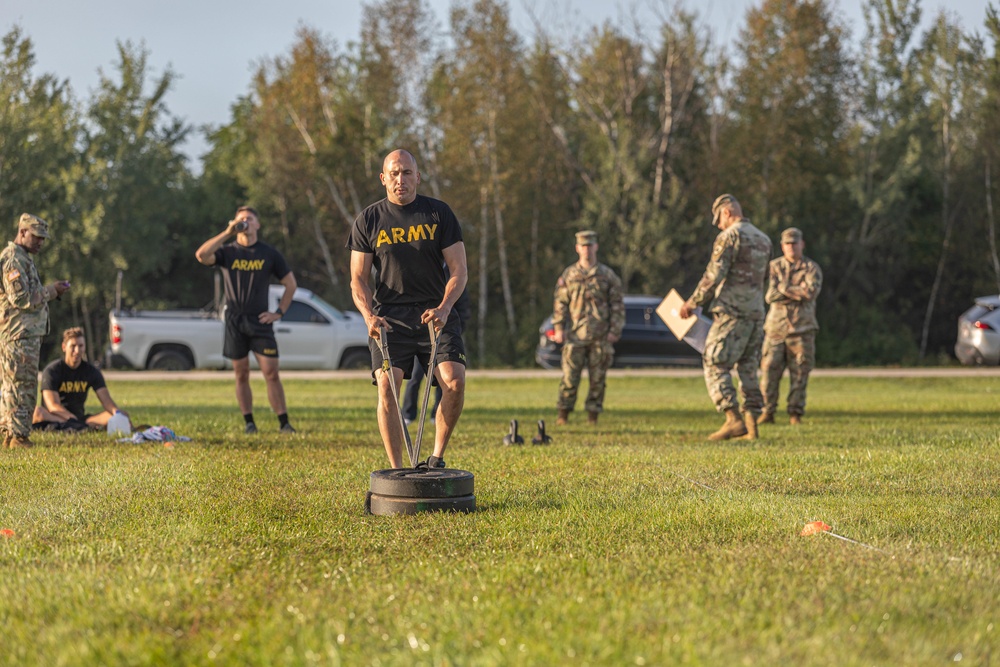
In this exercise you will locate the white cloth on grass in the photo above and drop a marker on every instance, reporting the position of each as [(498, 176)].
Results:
[(155, 434)]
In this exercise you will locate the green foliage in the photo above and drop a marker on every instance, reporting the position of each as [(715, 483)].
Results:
[(635, 543), (39, 128), (887, 337), (110, 180), (885, 155)]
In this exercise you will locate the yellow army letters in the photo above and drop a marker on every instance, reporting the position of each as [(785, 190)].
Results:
[(73, 387), (247, 265), (401, 235)]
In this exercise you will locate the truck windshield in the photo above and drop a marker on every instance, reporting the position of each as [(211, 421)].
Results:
[(326, 308)]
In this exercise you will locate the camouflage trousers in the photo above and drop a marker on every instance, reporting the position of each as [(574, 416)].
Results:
[(19, 384), (733, 342), (596, 357), (798, 353)]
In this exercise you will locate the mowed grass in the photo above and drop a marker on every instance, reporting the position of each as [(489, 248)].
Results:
[(603, 548)]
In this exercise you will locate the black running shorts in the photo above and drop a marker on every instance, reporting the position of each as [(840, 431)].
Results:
[(245, 333), (410, 338)]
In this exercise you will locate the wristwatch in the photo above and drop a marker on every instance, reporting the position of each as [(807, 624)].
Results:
[(280, 312)]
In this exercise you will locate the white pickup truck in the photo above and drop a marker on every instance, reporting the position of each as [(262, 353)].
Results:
[(311, 335)]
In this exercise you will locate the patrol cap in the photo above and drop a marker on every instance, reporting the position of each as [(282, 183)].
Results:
[(586, 238), (717, 205), (791, 235), (33, 224)]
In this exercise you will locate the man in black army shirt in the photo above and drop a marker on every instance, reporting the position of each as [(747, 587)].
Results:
[(65, 383), (415, 245), (248, 265)]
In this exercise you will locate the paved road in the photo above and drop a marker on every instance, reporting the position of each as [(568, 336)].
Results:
[(146, 376)]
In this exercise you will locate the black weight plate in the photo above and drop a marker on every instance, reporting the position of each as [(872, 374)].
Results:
[(385, 505), (423, 482)]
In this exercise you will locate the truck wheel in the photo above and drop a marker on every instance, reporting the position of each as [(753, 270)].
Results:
[(356, 360), (169, 360)]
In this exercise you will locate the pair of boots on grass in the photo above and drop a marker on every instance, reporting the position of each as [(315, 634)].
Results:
[(745, 425)]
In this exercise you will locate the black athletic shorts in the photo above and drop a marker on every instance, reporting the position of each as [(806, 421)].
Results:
[(410, 338), (245, 333)]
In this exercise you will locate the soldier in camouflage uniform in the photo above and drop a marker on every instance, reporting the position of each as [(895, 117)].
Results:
[(24, 319), (588, 318), (733, 288), (791, 326)]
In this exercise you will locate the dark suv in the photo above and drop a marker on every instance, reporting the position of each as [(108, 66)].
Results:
[(645, 341)]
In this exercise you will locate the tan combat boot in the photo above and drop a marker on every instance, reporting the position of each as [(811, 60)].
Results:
[(795, 420), (733, 428), (19, 441), (6, 440), (563, 417), (592, 418), (766, 418), (750, 420)]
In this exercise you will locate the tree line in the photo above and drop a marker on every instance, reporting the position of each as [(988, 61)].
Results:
[(880, 148)]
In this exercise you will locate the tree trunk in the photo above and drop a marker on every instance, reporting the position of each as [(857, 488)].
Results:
[(990, 223), (946, 220), (533, 264), (508, 298), (88, 329), (324, 248), (484, 233)]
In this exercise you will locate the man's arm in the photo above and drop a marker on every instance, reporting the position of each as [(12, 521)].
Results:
[(458, 270), (206, 253), (715, 273), (54, 405), (774, 293), (812, 283), (361, 291), (808, 289), (560, 308), (16, 287), (104, 396), (286, 300), (617, 302)]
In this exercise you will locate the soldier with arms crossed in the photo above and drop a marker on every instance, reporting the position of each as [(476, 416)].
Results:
[(24, 319), (248, 265), (588, 317), (733, 288), (415, 245), (790, 328)]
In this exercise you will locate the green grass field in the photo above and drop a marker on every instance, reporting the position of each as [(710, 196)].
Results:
[(596, 550)]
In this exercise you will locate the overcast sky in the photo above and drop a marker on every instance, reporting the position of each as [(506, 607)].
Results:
[(214, 46)]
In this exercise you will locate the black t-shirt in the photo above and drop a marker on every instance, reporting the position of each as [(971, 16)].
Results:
[(407, 243), (248, 271), (72, 383)]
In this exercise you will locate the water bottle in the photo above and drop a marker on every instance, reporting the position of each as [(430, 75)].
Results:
[(241, 226)]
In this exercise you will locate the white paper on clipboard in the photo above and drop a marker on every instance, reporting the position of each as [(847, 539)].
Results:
[(692, 330)]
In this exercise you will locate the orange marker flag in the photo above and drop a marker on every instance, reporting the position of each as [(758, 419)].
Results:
[(814, 528), (817, 527), (7, 532)]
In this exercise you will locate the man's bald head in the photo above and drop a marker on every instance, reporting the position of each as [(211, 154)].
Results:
[(400, 177)]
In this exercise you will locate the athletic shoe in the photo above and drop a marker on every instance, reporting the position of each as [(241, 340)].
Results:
[(431, 462), (287, 428), (250, 428)]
